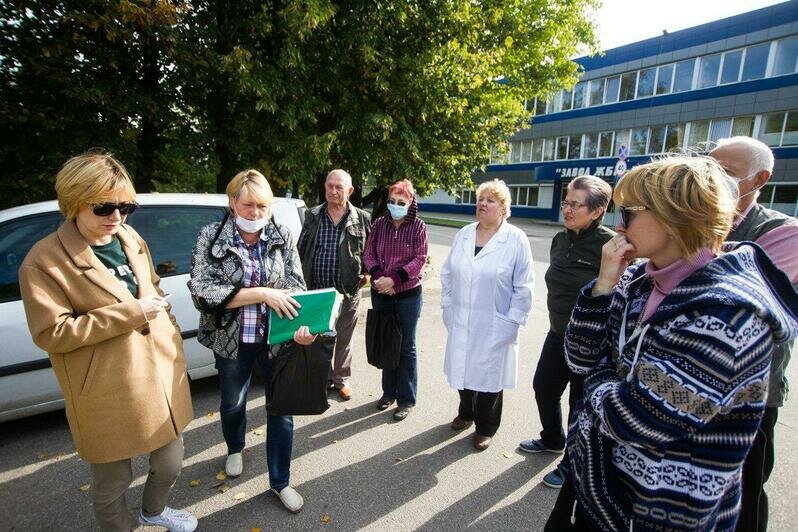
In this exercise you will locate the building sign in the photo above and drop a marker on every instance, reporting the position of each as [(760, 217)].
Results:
[(598, 171)]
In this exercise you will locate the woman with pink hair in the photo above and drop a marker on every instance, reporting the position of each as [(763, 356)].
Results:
[(395, 255)]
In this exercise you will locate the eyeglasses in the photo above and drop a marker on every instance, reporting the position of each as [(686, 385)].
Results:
[(401, 203), (573, 205), (107, 209), (628, 213)]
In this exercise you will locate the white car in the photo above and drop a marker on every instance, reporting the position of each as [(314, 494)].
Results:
[(169, 223)]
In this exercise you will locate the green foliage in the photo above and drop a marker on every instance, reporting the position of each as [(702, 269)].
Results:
[(189, 93)]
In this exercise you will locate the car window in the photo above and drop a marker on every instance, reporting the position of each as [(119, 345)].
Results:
[(171, 232), (16, 239)]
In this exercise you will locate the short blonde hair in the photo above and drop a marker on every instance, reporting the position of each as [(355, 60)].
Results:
[(498, 189), (690, 196), (252, 184), (89, 179)]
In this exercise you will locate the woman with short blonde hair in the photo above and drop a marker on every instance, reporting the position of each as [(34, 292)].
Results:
[(499, 190), (675, 352), (94, 303)]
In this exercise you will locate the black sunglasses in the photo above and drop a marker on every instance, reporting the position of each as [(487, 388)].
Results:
[(628, 214), (107, 209)]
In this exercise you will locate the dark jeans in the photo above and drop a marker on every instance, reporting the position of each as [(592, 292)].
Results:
[(551, 377), (401, 383), (234, 379), (564, 513), (757, 468), (483, 408)]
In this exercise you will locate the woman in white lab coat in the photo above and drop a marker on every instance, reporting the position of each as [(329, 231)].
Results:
[(487, 283)]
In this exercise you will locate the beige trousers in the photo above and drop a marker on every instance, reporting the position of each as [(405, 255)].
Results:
[(110, 483)]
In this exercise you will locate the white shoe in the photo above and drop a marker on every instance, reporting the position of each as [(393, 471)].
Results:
[(174, 520), (290, 498), (234, 465)]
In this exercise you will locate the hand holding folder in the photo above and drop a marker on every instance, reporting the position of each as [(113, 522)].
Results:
[(319, 311)]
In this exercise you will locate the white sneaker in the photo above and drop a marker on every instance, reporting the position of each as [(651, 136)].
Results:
[(174, 520), (290, 498), (234, 465)]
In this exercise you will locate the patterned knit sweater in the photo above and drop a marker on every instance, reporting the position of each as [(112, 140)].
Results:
[(672, 403)]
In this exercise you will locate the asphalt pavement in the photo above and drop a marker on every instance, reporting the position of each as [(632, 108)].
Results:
[(355, 466)]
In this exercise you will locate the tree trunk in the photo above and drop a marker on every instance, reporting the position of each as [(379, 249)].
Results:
[(149, 138)]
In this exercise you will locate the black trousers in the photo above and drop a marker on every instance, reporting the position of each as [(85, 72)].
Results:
[(757, 468), (564, 512), (551, 377), (483, 408)]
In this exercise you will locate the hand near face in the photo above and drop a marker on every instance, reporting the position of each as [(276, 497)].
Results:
[(302, 336), (616, 255)]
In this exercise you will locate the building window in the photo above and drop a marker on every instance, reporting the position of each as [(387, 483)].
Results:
[(548, 149), (756, 61), (790, 137), (639, 143), (743, 126), (785, 199), (562, 148), (621, 139), (674, 140), (575, 146), (567, 96), (605, 143), (596, 92), (579, 95), (540, 106), (468, 197), (708, 71), (786, 56), (664, 79), (526, 151), (720, 129), (537, 150), (645, 82), (532, 197), (589, 145), (611, 90), (699, 132), (628, 84), (770, 130), (657, 141), (731, 67), (683, 76)]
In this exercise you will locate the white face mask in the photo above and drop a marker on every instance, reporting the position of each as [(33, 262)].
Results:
[(251, 226)]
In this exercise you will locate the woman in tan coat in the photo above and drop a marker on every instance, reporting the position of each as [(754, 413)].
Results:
[(93, 303)]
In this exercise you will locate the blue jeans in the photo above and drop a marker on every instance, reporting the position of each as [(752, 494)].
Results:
[(234, 379), (401, 383)]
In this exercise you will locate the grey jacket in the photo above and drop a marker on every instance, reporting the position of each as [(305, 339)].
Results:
[(350, 247), (217, 275)]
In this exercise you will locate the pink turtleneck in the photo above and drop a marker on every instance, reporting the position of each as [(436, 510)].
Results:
[(669, 277)]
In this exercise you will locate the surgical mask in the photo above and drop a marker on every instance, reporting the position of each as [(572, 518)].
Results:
[(739, 180), (397, 212), (251, 226)]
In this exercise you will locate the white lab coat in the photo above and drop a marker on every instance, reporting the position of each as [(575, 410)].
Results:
[(485, 300)]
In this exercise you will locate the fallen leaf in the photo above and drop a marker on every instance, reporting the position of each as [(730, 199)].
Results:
[(335, 441), (85, 487), (399, 459), (213, 486), (325, 519), (346, 408), (371, 395), (239, 496), (210, 414), (224, 487), (507, 454), (255, 530), (194, 483), (41, 456), (258, 432), (221, 475)]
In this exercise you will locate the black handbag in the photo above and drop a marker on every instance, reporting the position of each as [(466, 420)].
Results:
[(298, 385), (383, 339)]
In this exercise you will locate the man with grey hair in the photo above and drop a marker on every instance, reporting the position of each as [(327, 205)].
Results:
[(749, 163), (331, 248)]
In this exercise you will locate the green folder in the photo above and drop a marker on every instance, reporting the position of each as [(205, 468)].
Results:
[(319, 311)]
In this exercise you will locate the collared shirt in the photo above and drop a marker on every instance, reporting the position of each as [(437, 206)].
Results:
[(326, 267), (253, 317)]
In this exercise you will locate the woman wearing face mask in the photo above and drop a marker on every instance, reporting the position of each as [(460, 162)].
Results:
[(242, 267), (395, 255)]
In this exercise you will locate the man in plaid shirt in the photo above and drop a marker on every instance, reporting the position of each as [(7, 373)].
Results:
[(331, 249)]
